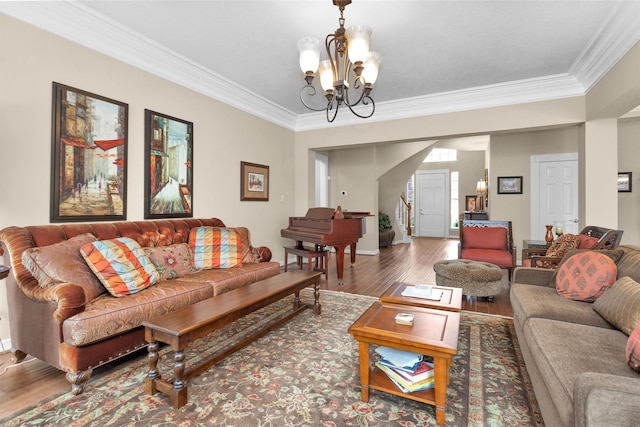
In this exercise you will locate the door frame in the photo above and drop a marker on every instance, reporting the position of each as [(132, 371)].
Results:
[(447, 198), (537, 228)]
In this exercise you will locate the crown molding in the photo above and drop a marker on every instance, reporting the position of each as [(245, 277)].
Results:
[(80, 24), (619, 32), (501, 94)]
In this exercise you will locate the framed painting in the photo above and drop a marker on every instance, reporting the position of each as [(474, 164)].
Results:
[(254, 182), (89, 156), (509, 185), (471, 203), (168, 166), (624, 182)]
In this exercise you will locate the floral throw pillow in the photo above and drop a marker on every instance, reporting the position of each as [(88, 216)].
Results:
[(562, 245), (172, 261)]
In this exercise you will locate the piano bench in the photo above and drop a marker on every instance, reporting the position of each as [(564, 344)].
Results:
[(321, 258)]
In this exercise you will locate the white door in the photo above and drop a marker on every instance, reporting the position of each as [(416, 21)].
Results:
[(555, 201), (433, 209)]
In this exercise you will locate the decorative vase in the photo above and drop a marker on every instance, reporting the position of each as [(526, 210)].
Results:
[(549, 236)]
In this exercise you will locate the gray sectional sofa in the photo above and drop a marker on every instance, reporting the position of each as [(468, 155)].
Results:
[(576, 359)]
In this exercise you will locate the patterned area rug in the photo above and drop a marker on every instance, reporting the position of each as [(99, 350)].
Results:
[(305, 373)]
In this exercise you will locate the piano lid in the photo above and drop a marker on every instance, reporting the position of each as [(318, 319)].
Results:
[(320, 213)]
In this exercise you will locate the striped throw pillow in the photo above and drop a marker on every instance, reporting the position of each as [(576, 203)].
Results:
[(215, 247), (121, 265)]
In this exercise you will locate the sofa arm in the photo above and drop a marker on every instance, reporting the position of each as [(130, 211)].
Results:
[(263, 253), (606, 400), (69, 296), (532, 276)]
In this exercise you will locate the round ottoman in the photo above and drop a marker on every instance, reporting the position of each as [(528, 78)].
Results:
[(476, 278)]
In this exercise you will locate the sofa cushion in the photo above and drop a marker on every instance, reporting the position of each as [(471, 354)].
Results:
[(61, 263), (215, 247), (121, 265), (585, 276), (531, 301), (226, 279), (562, 245), (107, 316), (485, 238), (563, 351), (633, 349), (620, 305), (172, 261), (614, 254), (629, 263)]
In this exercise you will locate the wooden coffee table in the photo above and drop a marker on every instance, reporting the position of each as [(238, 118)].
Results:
[(451, 297), (433, 333)]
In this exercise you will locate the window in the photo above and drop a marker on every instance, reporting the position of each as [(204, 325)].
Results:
[(442, 155), (454, 199)]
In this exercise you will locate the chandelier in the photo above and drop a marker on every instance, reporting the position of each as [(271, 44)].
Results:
[(349, 58)]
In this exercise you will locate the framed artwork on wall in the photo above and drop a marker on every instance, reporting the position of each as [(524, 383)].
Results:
[(624, 182), (509, 185), (168, 166), (89, 156), (471, 203), (254, 182)]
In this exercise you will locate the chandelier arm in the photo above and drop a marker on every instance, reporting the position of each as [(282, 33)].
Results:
[(329, 108), (312, 92), (358, 83), (364, 102)]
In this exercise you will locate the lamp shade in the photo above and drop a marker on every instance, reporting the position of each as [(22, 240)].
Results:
[(358, 42), (371, 67), (309, 48), (481, 187), (326, 75)]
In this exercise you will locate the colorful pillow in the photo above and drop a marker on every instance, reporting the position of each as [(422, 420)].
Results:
[(585, 276), (562, 245), (485, 238), (633, 349), (620, 305), (121, 265), (215, 247), (172, 261), (62, 263)]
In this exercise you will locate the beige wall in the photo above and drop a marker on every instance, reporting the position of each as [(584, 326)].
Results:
[(629, 161), (30, 59)]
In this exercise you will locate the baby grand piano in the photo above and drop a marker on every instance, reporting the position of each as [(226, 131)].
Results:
[(328, 227)]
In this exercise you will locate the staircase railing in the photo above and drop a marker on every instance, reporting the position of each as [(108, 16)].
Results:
[(405, 213)]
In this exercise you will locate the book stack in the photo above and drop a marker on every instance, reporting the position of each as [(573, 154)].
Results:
[(408, 371)]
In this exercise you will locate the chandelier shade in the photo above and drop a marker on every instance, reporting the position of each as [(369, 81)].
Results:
[(347, 77)]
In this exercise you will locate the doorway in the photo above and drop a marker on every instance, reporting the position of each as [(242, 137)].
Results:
[(433, 203), (554, 193)]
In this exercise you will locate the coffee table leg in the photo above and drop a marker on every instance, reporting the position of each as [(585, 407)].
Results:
[(317, 308), (153, 375), (364, 371), (441, 372)]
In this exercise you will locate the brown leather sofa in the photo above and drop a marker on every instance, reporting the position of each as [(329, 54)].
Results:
[(58, 324)]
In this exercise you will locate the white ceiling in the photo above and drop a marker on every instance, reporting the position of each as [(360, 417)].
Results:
[(437, 55)]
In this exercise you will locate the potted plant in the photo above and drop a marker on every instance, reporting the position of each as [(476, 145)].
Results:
[(386, 233)]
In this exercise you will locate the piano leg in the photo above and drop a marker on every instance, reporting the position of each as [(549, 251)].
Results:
[(340, 262), (353, 254)]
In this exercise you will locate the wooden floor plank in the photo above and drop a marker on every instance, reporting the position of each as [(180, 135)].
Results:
[(29, 383)]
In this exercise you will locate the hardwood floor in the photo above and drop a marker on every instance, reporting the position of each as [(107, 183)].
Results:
[(32, 381)]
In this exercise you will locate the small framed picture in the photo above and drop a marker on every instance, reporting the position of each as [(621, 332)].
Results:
[(509, 185), (471, 203), (254, 182), (624, 182)]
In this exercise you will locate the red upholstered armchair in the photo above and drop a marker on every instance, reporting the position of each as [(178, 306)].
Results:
[(488, 241)]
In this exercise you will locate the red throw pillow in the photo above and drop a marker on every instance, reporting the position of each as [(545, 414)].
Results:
[(585, 276), (564, 244), (586, 242), (633, 349), (485, 238)]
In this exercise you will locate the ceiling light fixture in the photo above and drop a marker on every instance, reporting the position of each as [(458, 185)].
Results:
[(349, 58)]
